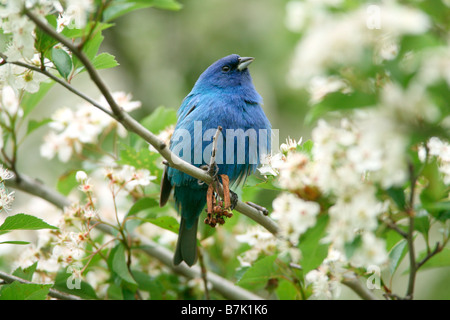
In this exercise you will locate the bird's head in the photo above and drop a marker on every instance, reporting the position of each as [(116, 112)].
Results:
[(227, 73)]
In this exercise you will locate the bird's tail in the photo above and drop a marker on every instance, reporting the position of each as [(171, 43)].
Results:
[(186, 249), (190, 203)]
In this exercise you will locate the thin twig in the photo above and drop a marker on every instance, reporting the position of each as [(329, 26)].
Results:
[(392, 225), (438, 248), (410, 237), (204, 273)]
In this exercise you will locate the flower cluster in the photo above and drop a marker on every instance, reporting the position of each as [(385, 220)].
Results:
[(261, 242), (325, 280), (71, 130), (441, 150), (6, 197), (327, 44), (128, 177)]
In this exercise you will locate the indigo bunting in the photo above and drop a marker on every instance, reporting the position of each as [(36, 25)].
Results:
[(224, 95)]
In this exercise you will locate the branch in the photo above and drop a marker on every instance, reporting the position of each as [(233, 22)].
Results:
[(228, 289), (353, 283), (436, 250), (410, 236), (52, 292), (133, 126)]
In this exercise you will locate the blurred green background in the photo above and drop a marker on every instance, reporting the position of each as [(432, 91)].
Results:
[(162, 53)]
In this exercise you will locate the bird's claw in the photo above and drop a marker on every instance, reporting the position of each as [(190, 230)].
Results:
[(213, 171), (234, 198)]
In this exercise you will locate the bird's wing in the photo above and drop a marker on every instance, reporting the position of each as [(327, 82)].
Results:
[(166, 188)]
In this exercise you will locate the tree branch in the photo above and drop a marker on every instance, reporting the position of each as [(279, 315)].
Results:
[(410, 236), (353, 283), (134, 126)]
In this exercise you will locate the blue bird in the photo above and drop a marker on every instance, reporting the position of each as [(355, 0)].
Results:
[(224, 95)]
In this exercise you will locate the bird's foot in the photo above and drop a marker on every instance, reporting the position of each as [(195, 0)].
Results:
[(234, 198), (212, 170)]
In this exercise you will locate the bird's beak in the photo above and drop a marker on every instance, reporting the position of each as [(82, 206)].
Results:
[(244, 62)]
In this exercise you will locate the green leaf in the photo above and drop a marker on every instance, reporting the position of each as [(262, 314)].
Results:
[(24, 291), (306, 147), (121, 7), (313, 251), (27, 273), (351, 247), (30, 100), (43, 41), (104, 61), (256, 276), (439, 209), (90, 48), (142, 159), (142, 204), (15, 242), (396, 255), (262, 183), (286, 290), (62, 62), (398, 195), (149, 284), (81, 33), (119, 265), (24, 221), (435, 190), (422, 224), (66, 183), (159, 119), (84, 290), (165, 4), (34, 124), (165, 222), (441, 259)]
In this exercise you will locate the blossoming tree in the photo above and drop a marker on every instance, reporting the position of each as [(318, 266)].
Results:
[(351, 203)]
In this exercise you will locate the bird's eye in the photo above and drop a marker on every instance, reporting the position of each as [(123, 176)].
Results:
[(225, 68)]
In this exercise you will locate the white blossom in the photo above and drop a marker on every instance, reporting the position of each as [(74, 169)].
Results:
[(5, 174), (342, 39), (441, 150), (271, 163), (60, 145), (290, 145), (372, 251), (323, 288), (261, 241), (320, 86), (10, 102), (6, 198), (81, 176), (294, 215), (76, 13), (352, 213)]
